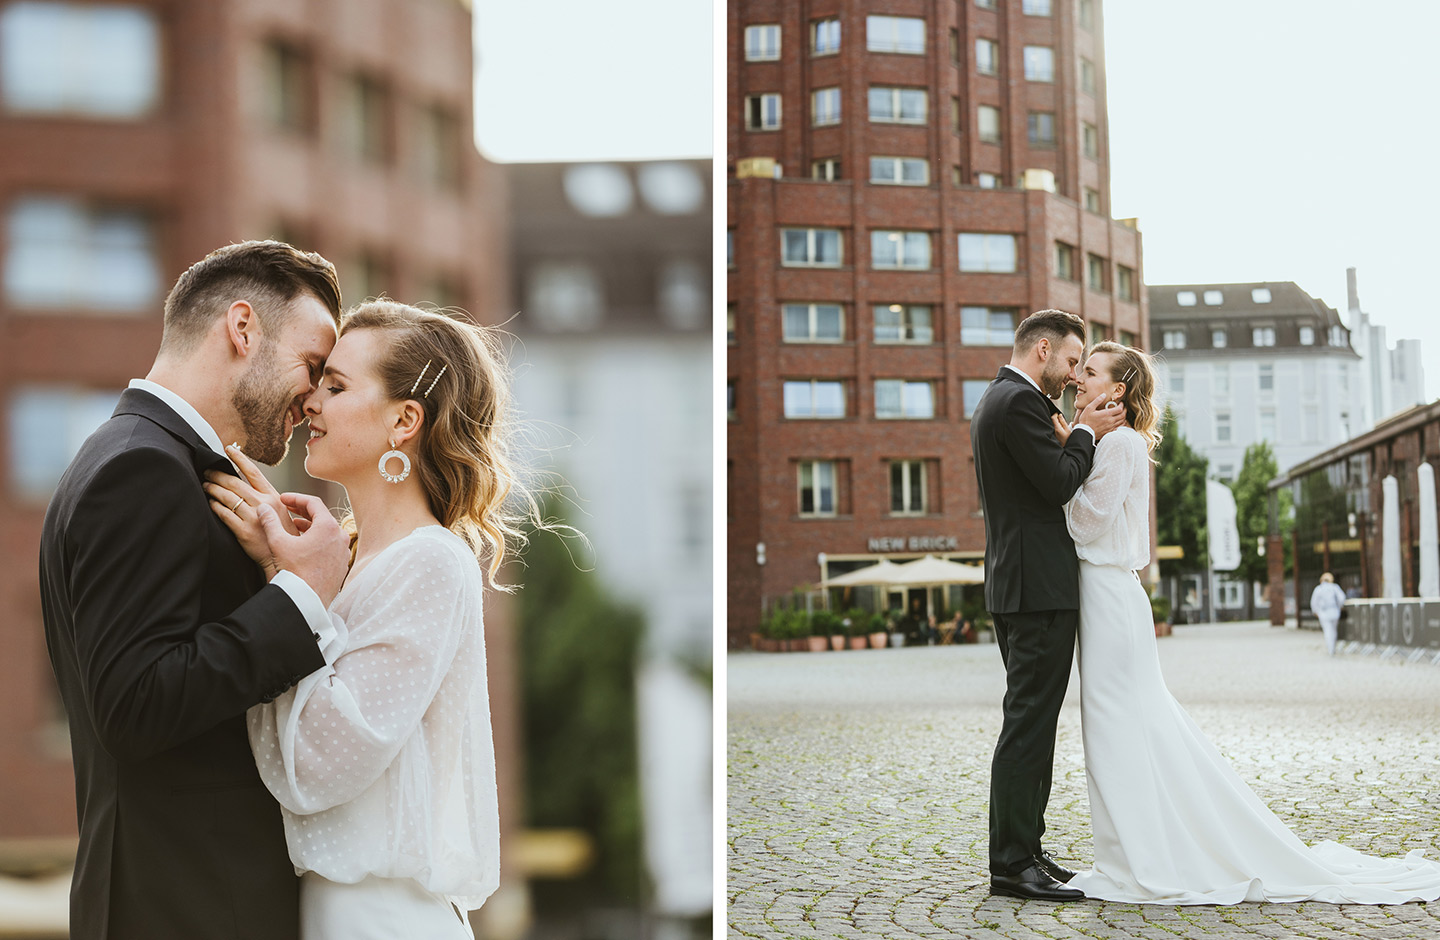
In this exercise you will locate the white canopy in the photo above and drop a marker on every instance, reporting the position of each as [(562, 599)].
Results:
[(884, 571), (934, 570)]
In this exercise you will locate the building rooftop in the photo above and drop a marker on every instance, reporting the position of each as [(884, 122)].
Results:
[(1266, 300)]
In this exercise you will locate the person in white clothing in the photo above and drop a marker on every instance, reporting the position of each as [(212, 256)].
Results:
[(1172, 821), (1327, 601), (383, 760)]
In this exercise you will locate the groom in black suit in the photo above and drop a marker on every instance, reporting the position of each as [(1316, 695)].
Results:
[(162, 632), (1032, 581)]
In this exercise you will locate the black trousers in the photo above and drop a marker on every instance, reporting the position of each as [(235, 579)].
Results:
[(1037, 648)]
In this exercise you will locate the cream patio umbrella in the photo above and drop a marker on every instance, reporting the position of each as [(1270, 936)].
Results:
[(934, 570), (884, 571)]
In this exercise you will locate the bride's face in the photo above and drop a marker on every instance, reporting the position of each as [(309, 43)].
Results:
[(1094, 378), (350, 417)]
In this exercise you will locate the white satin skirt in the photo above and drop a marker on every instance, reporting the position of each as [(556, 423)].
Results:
[(1173, 823), (377, 909)]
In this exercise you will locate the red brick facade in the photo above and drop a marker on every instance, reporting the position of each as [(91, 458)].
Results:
[(764, 445)]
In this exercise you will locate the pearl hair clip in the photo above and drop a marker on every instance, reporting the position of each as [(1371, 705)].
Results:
[(1128, 374), (431, 386)]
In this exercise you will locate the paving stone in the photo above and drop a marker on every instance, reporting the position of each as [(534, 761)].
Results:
[(858, 787)]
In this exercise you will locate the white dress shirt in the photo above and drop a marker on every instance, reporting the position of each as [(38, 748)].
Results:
[(304, 598), (1037, 388)]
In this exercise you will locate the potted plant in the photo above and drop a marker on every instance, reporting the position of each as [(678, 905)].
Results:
[(879, 634), (797, 630), (823, 623), (841, 629), (1160, 608), (856, 632), (768, 639)]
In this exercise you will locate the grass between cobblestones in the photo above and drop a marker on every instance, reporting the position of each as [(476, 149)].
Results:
[(858, 786)]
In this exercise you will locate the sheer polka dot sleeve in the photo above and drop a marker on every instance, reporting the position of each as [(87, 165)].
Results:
[(1091, 513)]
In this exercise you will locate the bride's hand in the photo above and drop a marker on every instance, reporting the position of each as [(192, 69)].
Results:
[(254, 488), (236, 501), (1062, 428)]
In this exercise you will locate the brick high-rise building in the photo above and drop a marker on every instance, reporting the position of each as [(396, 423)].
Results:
[(134, 138), (908, 180)]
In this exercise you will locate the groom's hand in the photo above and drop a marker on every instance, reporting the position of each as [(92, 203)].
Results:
[(1101, 416), (320, 554)]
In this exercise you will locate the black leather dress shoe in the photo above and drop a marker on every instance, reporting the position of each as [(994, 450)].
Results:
[(1053, 868), (1033, 884)]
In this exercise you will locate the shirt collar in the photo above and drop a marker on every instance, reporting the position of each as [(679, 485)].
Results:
[(1027, 378), (185, 410)]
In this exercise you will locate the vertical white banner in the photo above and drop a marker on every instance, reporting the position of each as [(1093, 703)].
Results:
[(1390, 538), (1224, 533), (1429, 542)]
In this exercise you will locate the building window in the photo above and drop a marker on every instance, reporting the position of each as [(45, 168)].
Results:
[(1262, 336), (1087, 76), (810, 247), (1092, 200), (987, 181), (1042, 129), (438, 148), (762, 43), (971, 391), (825, 106), (364, 119), (62, 253), (1219, 339), (817, 487), (813, 323), (1036, 7), (730, 413), (1214, 298), (1125, 282), (47, 426), (762, 112), (730, 324), (1127, 338), (898, 105), (1039, 64), (908, 250), (985, 4), (1337, 336), (1185, 298), (987, 326), (1173, 339), (825, 37), (562, 295), (1307, 336), (1099, 333), (903, 323), (954, 46), (905, 34), (729, 248), (1095, 272), (285, 83), (1177, 380), (1267, 377), (827, 169), (897, 398), (1065, 267), (1085, 14), (1222, 380), (1260, 295), (1267, 424), (1090, 140), (904, 171), (907, 488), (987, 57), (682, 291), (96, 60), (988, 119), (956, 125), (1222, 427), (982, 251), (814, 398)]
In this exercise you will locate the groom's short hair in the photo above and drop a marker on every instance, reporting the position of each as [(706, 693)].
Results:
[(268, 274), (1047, 324)]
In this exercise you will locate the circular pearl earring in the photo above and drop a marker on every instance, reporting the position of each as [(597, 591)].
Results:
[(386, 457)]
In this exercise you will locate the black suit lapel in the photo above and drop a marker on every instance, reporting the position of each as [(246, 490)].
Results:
[(1010, 375), (135, 401)]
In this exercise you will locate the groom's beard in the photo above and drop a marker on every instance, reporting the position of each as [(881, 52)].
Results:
[(262, 410), (1053, 381)]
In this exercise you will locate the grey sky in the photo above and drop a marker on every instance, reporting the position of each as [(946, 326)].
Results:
[(576, 80), (1282, 140)]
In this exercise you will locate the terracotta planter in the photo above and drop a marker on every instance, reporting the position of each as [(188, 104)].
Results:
[(817, 644), (1162, 628), (757, 641), (859, 642), (878, 641), (769, 645), (797, 644), (837, 641)]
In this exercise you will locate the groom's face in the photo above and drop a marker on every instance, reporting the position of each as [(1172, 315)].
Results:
[(269, 398), (1060, 365)]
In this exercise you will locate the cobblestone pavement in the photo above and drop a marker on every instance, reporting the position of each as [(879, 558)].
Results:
[(858, 786)]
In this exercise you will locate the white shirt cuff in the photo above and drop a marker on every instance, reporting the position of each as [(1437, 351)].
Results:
[(314, 612), (1078, 427)]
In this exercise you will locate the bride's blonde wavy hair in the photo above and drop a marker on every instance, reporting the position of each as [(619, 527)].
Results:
[(465, 462), (1136, 370)]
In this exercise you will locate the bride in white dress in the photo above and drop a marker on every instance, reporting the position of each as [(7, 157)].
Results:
[(1173, 823), (383, 761)]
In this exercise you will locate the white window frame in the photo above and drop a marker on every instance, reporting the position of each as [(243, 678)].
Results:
[(903, 239), (1260, 295), (1222, 380), (907, 487), (1263, 371), (989, 239), (825, 107), (765, 99), (988, 335), (987, 56), (762, 51), (1223, 422), (1307, 336), (896, 112), (898, 165), (988, 135), (987, 180), (1185, 298), (876, 23), (1039, 62), (1213, 298), (815, 36), (1173, 339), (1219, 339), (814, 385), (968, 386), (812, 319), (810, 243), (826, 168), (61, 254), (907, 331), (1033, 121), (1037, 8), (50, 61), (816, 485), (1262, 336), (904, 386)]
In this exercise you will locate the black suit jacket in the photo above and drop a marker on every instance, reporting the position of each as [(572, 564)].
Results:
[(162, 633), (1025, 479)]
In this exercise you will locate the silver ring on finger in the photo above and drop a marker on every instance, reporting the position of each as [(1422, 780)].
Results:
[(238, 503)]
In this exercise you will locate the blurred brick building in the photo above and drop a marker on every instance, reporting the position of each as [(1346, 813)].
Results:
[(907, 181), (137, 136)]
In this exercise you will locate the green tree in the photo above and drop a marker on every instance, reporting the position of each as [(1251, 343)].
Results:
[(578, 650), (1252, 511), (1180, 499)]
